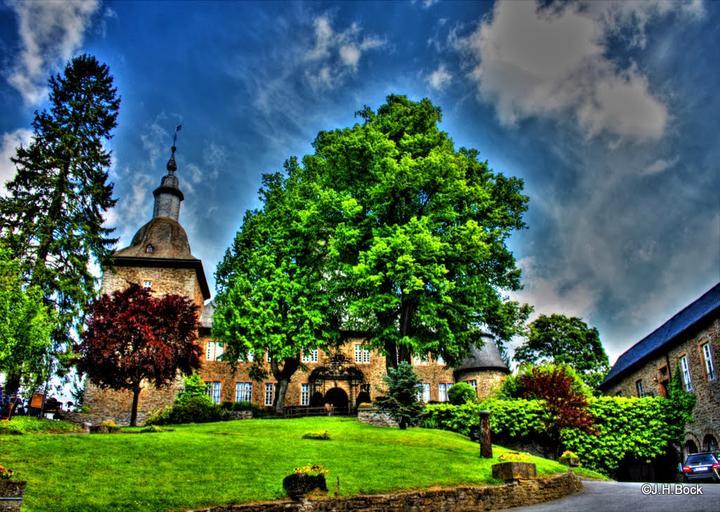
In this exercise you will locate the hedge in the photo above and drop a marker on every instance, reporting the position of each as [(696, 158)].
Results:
[(639, 428)]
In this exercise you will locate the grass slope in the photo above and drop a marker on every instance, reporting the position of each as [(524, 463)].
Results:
[(214, 463)]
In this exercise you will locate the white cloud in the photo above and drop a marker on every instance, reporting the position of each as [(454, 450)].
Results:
[(659, 166), (557, 294), (532, 61), (439, 79), (50, 32), (335, 55), (10, 142)]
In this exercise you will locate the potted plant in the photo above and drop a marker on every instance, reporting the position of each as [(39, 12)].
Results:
[(569, 459), (11, 491), (304, 480)]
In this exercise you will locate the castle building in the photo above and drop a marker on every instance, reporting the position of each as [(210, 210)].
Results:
[(688, 343), (159, 258)]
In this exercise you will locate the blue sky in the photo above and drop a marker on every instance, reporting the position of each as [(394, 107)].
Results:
[(608, 110)]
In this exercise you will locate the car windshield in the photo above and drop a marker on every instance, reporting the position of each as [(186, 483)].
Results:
[(704, 458)]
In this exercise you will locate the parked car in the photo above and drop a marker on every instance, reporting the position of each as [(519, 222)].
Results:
[(701, 466)]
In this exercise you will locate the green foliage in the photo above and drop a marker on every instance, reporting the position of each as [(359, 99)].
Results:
[(510, 420), (565, 340), (272, 297), (193, 409), (639, 428), (319, 436), (26, 325), (52, 218), (461, 393), (193, 387), (683, 405), (418, 232), (512, 386), (401, 399)]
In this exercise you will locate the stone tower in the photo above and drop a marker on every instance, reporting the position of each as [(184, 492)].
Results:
[(158, 258)]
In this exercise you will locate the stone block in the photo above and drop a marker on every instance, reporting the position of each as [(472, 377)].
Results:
[(509, 471)]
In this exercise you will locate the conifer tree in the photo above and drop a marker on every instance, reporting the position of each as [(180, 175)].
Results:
[(52, 218)]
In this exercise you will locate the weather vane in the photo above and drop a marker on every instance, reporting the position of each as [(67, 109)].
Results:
[(179, 127)]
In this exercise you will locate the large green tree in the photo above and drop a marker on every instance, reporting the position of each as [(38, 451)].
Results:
[(565, 340), (417, 233), (25, 325), (52, 219), (272, 297)]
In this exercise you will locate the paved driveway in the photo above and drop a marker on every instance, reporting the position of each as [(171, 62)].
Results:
[(629, 497)]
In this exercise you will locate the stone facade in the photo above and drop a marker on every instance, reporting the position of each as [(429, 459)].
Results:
[(652, 379), (457, 499), (431, 373)]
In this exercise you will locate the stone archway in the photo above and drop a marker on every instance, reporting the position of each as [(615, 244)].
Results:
[(710, 444), (690, 447), (337, 397)]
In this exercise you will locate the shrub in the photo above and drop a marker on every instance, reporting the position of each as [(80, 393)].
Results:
[(319, 436), (401, 400), (515, 420), (193, 388), (569, 458), (639, 428), (462, 393), (192, 409)]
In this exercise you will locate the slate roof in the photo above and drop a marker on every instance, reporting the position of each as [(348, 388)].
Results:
[(485, 358), (669, 332)]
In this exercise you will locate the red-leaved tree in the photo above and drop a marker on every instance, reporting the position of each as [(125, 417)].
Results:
[(132, 336), (560, 388)]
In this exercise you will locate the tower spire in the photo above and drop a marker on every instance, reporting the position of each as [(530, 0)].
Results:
[(168, 195)]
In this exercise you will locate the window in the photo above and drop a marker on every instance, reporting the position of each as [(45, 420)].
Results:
[(214, 350), (685, 373), (424, 392), (443, 392), (305, 394), (268, 357), (310, 356), (639, 388), (243, 391), (249, 358), (269, 393), (473, 383), (213, 391), (362, 355), (709, 366), (149, 248), (147, 284)]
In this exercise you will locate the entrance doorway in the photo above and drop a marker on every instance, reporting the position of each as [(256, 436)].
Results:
[(337, 397)]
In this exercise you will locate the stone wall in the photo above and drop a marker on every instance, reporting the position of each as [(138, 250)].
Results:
[(655, 373), (429, 372), (457, 499), (375, 417)]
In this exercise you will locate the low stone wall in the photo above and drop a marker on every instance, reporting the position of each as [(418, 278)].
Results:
[(373, 416), (456, 499)]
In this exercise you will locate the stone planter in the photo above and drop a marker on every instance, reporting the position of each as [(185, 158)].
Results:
[(510, 471), (298, 485), (11, 495)]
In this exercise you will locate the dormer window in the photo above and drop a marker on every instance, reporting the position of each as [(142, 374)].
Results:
[(149, 248), (147, 284)]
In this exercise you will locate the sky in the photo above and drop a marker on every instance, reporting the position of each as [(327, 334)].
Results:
[(608, 110)]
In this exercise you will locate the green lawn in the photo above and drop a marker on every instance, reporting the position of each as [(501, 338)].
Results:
[(214, 463)]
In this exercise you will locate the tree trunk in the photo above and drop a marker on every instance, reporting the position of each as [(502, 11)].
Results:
[(12, 384), (133, 413), (283, 376)]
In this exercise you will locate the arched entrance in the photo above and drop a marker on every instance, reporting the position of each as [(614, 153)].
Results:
[(337, 397), (710, 444), (690, 447)]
